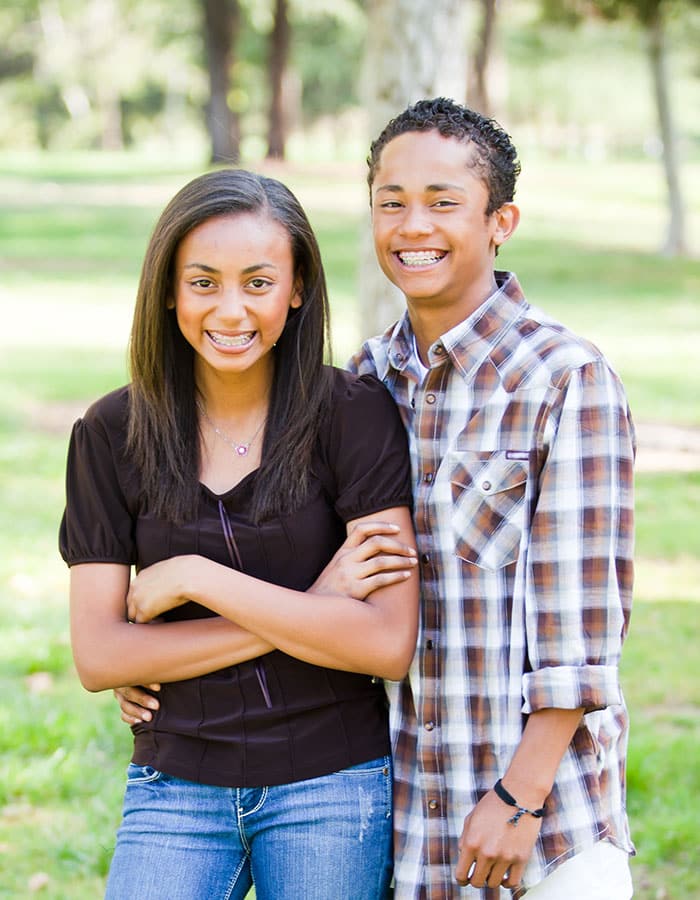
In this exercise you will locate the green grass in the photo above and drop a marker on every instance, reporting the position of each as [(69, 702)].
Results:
[(72, 236), (661, 677), (671, 500)]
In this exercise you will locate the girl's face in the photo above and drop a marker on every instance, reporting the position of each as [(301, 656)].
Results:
[(234, 285)]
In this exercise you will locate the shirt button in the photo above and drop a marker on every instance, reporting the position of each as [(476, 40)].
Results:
[(413, 403), (428, 478), (425, 558), (430, 398), (439, 349), (428, 644), (432, 804), (486, 485), (429, 726)]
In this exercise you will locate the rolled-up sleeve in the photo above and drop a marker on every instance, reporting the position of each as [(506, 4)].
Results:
[(579, 567)]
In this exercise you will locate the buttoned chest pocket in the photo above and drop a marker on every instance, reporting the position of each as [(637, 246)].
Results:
[(488, 507)]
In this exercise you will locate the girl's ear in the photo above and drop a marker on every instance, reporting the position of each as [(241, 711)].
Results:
[(506, 220), (298, 295)]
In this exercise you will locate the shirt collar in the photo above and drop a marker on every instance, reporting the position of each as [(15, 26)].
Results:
[(471, 340)]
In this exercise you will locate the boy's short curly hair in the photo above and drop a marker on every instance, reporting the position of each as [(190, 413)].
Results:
[(494, 153)]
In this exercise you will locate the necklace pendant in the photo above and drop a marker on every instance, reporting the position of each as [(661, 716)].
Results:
[(238, 449)]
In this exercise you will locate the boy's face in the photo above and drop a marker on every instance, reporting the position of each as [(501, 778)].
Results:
[(432, 236)]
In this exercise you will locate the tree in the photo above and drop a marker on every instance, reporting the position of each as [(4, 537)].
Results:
[(675, 242), (414, 49), (278, 54), (96, 73), (17, 39), (477, 88), (92, 54), (651, 15), (13, 64), (221, 22)]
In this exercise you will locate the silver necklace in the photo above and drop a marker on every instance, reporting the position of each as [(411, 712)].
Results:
[(240, 449)]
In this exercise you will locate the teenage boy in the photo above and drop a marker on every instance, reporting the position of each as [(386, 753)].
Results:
[(510, 731)]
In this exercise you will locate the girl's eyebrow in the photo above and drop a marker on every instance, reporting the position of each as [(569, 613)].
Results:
[(205, 268), (256, 266)]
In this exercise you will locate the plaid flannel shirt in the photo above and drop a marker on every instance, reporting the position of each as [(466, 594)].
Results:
[(522, 450)]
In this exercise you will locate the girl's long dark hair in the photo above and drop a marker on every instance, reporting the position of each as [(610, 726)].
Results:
[(163, 435)]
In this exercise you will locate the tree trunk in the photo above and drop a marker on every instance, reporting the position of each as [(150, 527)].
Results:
[(277, 66), (477, 89), (414, 50), (111, 130), (221, 21), (675, 242)]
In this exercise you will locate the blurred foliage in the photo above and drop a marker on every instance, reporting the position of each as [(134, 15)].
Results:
[(109, 73), (582, 86)]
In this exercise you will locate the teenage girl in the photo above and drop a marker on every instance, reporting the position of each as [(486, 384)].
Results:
[(243, 479)]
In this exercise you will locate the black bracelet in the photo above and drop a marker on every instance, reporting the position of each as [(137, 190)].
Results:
[(503, 794)]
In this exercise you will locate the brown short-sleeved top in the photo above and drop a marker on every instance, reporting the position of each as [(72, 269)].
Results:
[(274, 719)]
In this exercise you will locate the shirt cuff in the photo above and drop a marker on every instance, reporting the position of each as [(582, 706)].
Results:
[(571, 687)]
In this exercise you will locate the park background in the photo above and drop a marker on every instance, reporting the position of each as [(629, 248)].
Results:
[(109, 106)]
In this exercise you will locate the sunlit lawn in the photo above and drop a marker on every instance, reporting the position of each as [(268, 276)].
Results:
[(72, 234)]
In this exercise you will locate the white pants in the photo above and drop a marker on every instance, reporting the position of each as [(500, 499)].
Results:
[(600, 873)]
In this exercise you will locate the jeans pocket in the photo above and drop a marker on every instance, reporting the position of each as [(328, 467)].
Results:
[(142, 774), (372, 778), (373, 767)]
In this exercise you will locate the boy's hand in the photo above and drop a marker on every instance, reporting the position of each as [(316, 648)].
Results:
[(370, 557), (493, 852), (136, 704)]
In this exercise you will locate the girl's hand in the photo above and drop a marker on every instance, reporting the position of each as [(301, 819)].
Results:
[(157, 589), (371, 557)]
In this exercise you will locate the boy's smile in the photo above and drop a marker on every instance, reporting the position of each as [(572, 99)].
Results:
[(418, 259), (432, 236)]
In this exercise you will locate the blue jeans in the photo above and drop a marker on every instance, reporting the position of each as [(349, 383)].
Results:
[(328, 838)]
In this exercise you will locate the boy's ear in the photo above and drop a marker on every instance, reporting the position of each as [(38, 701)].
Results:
[(506, 220)]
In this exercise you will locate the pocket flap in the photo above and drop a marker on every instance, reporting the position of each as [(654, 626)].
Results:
[(488, 472)]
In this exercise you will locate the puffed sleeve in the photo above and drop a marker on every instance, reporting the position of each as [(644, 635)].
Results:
[(97, 525), (367, 448)]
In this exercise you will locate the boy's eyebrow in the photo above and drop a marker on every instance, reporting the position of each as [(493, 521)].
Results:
[(429, 188), (444, 186)]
